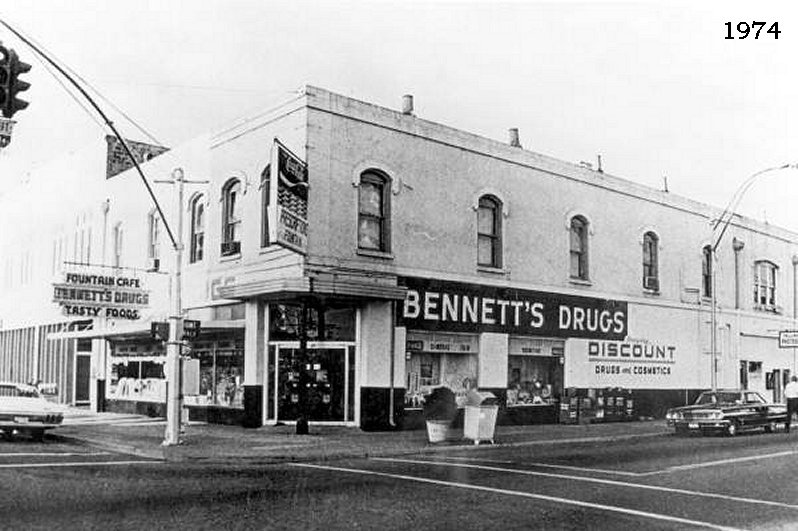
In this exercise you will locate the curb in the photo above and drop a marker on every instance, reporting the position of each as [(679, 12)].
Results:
[(110, 446), (172, 454)]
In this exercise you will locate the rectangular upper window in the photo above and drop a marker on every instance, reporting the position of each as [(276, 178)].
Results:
[(765, 285)]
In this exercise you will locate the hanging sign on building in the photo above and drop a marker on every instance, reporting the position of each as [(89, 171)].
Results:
[(6, 128), (288, 199), (98, 295), (630, 364), (439, 305), (118, 160), (788, 339)]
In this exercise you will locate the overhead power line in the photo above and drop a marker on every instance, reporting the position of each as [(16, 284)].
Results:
[(107, 120), (52, 57)]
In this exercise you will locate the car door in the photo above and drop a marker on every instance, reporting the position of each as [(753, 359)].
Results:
[(758, 410)]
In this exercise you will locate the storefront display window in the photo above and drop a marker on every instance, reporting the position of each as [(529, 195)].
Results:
[(136, 372), (535, 372), (435, 360), (221, 374), (137, 379)]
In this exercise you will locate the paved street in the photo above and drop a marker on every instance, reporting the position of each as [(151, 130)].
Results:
[(657, 482)]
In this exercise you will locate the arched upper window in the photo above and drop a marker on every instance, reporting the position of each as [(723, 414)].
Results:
[(578, 248), (373, 223), (231, 219), (651, 261), (706, 270), (489, 232), (765, 285), (197, 229)]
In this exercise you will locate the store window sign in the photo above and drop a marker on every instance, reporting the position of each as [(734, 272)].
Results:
[(457, 307), (635, 364)]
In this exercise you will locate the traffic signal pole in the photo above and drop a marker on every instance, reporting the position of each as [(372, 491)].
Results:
[(174, 346)]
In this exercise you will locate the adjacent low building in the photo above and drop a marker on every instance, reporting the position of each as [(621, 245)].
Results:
[(343, 259)]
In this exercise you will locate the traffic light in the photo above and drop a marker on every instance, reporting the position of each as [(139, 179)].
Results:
[(5, 76), (10, 84), (159, 331), (191, 329)]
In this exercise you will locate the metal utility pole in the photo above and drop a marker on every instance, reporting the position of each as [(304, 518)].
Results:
[(174, 346)]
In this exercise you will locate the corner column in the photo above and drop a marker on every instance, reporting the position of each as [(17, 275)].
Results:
[(254, 345)]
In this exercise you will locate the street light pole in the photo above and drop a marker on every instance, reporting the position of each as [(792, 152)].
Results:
[(714, 320), (721, 224)]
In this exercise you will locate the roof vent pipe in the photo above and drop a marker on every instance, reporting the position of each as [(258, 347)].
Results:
[(514, 139), (407, 104)]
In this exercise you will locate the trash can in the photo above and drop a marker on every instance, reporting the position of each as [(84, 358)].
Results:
[(479, 423)]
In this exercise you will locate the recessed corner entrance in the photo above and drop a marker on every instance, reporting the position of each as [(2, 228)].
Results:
[(319, 385)]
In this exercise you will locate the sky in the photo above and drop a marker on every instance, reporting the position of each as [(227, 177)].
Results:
[(653, 87)]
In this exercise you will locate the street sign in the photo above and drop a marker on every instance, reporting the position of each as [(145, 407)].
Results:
[(788, 339), (6, 127)]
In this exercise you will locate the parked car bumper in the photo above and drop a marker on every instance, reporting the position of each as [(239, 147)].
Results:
[(28, 421), (684, 426)]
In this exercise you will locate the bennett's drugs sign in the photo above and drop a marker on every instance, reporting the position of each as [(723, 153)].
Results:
[(97, 295), (439, 305)]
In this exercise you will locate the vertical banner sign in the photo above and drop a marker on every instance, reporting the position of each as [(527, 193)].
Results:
[(288, 201)]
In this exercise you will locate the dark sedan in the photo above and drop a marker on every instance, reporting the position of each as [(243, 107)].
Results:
[(729, 412)]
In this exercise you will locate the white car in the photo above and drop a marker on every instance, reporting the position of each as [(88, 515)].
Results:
[(24, 410)]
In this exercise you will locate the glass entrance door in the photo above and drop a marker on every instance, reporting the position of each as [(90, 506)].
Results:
[(318, 384)]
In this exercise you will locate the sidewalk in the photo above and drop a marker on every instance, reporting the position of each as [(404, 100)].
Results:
[(217, 443)]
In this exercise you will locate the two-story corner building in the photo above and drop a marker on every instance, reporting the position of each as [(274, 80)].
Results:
[(343, 259)]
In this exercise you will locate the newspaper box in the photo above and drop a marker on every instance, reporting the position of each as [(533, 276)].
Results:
[(480, 417)]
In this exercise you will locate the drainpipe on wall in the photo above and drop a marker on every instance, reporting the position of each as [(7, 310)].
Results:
[(738, 246), (391, 419)]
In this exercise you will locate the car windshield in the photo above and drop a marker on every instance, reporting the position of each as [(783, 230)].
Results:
[(717, 398), (17, 391)]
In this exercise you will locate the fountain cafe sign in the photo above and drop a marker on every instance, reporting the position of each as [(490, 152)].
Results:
[(107, 296)]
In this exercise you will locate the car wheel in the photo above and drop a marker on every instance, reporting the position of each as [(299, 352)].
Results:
[(37, 435), (770, 427), (732, 429)]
